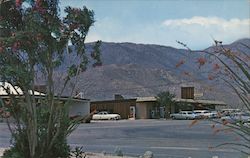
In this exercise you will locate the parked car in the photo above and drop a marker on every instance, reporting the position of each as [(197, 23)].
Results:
[(215, 114), (227, 112), (203, 114), (104, 115), (237, 118), (184, 115)]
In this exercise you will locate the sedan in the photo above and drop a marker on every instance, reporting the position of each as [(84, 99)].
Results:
[(184, 115), (237, 118), (104, 115)]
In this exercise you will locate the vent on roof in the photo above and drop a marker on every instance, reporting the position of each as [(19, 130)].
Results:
[(118, 97)]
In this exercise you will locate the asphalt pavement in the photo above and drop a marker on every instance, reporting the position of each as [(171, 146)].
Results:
[(165, 138)]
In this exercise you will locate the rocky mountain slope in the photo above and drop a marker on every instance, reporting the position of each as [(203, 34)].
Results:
[(134, 70)]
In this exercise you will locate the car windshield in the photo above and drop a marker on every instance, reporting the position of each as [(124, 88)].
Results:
[(103, 112)]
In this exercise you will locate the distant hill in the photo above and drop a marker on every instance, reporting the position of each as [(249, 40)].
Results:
[(134, 70)]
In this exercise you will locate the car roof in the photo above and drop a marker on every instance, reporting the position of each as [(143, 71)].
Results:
[(200, 110)]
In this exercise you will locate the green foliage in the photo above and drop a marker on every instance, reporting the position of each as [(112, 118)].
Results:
[(78, 152), (12, 153), (232, 67), (33, 40), (62, 127), (165, 98)]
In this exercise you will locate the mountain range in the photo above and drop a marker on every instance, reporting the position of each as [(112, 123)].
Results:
[(137, 70)]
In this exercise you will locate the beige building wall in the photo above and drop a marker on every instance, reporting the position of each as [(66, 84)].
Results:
[(141, 111), (79, 108)]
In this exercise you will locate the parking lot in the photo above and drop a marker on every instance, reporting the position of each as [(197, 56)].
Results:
[(165, 138)]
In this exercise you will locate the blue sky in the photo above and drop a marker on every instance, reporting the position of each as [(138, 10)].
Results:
[(195, 22)]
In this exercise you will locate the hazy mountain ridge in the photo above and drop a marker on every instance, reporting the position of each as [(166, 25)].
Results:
[(136, 70)]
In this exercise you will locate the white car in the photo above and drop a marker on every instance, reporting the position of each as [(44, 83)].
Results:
[(240, 117), (104, 115), (215, 114), (184, 115), (203, 114)]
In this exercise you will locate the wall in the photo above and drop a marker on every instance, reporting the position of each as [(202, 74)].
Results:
[(141, 111), (121, 107), (144, 109), (79, 108)]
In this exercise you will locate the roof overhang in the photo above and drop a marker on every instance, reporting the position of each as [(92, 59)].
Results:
[(199, 101), (146, 99), (192, 101), (7, 90)]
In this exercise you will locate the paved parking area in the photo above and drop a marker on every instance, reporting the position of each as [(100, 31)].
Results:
[(165, 138)]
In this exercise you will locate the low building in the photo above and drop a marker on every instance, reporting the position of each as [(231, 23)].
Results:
[(123, 107), (147, 108), (77, 106), (136, 108), (197, 104)]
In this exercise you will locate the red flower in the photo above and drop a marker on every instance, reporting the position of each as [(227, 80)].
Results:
[(18, 3), (224, 122), (201, 61), (193, 123), (39, 8), (181, 62), (39, 37), (216, 131), (16, 46), (213, 126), (210, 77), (1, 49), (38, 3), (6, 114), (73, 26), (216, 67)]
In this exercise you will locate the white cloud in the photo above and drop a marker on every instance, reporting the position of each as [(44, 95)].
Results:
[(92, 37), (199, 30), (207, 22)]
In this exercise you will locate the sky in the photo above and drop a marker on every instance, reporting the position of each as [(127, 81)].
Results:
[(163, 22)]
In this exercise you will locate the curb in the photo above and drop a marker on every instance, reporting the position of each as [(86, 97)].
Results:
[(88, 154)]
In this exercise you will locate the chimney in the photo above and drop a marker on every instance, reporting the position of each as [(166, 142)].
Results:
[(187, 92), (118, 97)]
